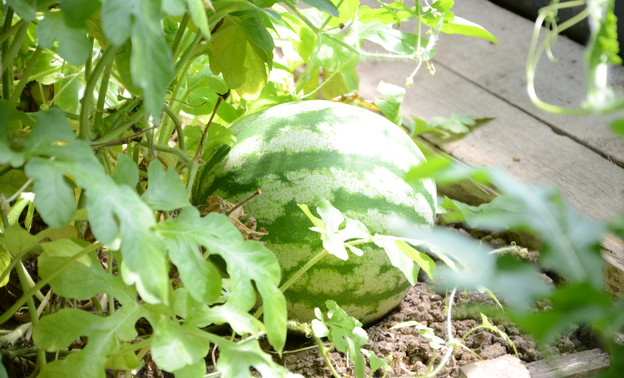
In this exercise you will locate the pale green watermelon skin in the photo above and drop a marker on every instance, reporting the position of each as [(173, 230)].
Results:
[(303, 153)]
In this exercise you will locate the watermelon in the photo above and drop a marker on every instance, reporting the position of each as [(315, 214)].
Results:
[(310, 151)]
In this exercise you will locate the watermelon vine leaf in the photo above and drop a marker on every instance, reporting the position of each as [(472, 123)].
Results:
[(105, 337), (344, 331), (248, 263), (165, 190), (73, 43), (235, 359)]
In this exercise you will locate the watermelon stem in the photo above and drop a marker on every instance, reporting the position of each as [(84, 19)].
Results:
[(295, 277)]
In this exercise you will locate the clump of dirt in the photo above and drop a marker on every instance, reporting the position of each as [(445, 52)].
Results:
[(410, 354)]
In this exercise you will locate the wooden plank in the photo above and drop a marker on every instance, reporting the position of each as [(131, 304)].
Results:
[(506, 366), (501, 70), (522, 144), (582, 364)]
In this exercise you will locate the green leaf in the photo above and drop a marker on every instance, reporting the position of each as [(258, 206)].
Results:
[(126, 171), (197, 370), (618, 127), (236, 359), (324, 5), (198, 14), (18, 241), (116, 16), (333, 55), (77, 12), (175, 346), (151, 61), (174, 7), (335, 237), (84, 278), (105, 334), (25, 8), (51, 129), (54, 198), (347, 334), (479, 268), (248, 263), (252, 24), (460, 25), (390, 105), (390, 38), (69, 98), (183, 236), (73, 43), (165, 190), (5, 261)]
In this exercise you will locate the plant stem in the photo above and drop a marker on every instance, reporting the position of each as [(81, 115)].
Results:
[(107, 56), (176, 124), (323, 351), (32, 62), (176, 42), (32, 310), (451, 340), (99, 108)]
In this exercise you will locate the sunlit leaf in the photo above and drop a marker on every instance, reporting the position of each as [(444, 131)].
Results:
[(74, 44), (236, 359), (460, 25), (248, 263), (126, 171), (200, 276), (174, 346), (57, 331), (165, 191)]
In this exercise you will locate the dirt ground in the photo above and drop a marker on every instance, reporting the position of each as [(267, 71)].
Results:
[(409, 354)]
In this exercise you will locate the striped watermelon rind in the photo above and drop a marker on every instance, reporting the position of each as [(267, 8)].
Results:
[(307, 152)]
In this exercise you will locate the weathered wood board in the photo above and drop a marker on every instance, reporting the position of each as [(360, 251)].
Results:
[(580, 155)]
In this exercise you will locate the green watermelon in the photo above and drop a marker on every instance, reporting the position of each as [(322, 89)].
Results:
[(307, 152)]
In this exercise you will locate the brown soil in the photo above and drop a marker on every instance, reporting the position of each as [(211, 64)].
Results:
[(409, 354)]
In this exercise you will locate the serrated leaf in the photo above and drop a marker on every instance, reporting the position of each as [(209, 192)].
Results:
[(83, 279), (335, 237), (174, 346), (151, 62), (165, 190), (73, 43), (236, 359), (201, 278), (248, 263), (54, 198), (347, 334), (105, 334), (51, 128), (405, 257)]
